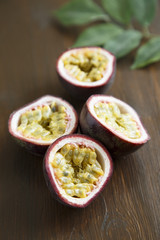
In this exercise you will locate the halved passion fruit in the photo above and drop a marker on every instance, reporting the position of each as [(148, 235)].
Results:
[(114, 123), (76, 169), (87, 70), (38, 124)]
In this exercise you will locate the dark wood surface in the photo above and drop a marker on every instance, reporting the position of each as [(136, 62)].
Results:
[(129, 207)]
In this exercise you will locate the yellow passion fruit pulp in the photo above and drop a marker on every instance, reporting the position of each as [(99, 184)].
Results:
[(44, 122), (111, 114), (86, 66), (77, 169)]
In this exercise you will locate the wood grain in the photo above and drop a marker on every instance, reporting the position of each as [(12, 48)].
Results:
[(129, 207)]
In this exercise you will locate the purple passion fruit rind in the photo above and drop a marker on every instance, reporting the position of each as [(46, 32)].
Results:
[(81, 89), (115, 142), (53, 185), (39, 146)]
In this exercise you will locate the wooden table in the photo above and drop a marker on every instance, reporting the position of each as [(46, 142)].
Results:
[(129, 207)]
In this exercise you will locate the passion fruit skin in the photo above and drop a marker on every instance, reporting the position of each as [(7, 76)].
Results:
[(83, 92), (51, 183), (38, 149), (116, 145)]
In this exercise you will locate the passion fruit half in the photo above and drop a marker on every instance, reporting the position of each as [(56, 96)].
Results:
[(114, 123), (76, 169), (87, 70), (38, 124)]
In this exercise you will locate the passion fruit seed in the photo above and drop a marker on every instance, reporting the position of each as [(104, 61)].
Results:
[(86, 65), (77, 169), (46, 122), (121, 122)]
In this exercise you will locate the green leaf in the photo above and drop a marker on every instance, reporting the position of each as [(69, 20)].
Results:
[(77, 12), (143, 10), (97, 35), (123, 43), (118, 10), (147, 54)]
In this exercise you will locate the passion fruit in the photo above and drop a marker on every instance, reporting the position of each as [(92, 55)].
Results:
[(87, 70), (38, 124), (76, 169), (114, 123)]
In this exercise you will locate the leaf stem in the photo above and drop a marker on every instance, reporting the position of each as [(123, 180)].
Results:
[(146, 32), (106, 18)]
